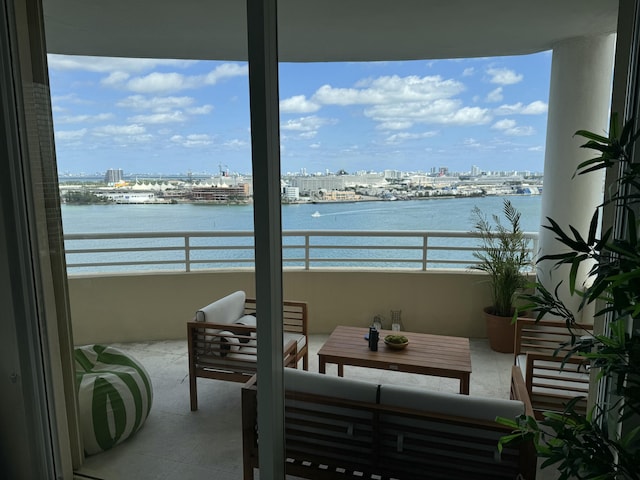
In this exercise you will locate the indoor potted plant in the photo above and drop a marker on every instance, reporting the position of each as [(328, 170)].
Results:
[(504, 254)]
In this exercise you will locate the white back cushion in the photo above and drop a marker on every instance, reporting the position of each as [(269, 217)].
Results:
[(226, 310), (450, 403), (321, 384)]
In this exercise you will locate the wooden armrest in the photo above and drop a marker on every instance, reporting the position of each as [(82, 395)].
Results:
[(252, 382), (519, 390)]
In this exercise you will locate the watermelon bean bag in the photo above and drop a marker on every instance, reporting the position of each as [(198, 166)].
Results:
[(114, 396)]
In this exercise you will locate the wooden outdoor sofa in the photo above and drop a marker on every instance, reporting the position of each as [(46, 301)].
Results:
[(337, 427), (222, 342), (538, 363)]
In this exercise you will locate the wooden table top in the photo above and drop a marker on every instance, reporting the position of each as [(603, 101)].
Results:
[(425, 353)]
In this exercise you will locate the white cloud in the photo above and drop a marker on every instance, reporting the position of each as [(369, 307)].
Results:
[(510, 127), (169, 117), (226, 70), (467, 72), (298, 104), (397, 103), (390, 89), (83, 118), (315, 145), (110, 64), (235, 144), (155, 104), (394, 125), (445, 112), (202, 110), (537, 148), (115, 79), (70, 135), (157, 82), (504, 124), (534, 108), (404, 136), (307, 126), (495, 95), (523, 131), (504, 76), (119, 130), (193, 140), (475, 145)]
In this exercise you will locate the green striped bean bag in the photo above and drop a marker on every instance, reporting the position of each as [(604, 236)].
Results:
[(114, 395)]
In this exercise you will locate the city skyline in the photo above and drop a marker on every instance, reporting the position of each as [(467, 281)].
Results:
[(175, 116)]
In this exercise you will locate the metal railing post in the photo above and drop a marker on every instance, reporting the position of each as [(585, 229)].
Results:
[(307, 254), (187, 253), (425, 248)]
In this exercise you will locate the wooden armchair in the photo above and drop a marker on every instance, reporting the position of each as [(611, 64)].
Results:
[(226, 348), (549, 383)]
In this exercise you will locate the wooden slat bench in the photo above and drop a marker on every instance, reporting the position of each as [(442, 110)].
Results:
[(343, 428)]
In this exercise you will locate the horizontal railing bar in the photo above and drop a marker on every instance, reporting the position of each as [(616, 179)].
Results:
[(222, 247), (286, 233), (124, 264), (365, 247), (126, 250), (224, 260), (364, 260)]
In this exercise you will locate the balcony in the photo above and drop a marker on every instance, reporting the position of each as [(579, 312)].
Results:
[(139, 311)]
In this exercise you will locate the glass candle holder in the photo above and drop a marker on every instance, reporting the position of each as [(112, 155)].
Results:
[(396, 321)]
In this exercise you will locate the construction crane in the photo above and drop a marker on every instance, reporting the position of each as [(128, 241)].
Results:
[(223, 169)]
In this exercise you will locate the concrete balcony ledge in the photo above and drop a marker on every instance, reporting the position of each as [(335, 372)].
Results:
[(156, 306)]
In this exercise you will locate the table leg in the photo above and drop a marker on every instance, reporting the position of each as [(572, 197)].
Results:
[(322, 365), (340, 370), (464, 385)]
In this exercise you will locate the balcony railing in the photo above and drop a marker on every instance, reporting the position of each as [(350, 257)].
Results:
[(193, 251)]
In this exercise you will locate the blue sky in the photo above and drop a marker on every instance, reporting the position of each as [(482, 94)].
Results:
[(173, 116)]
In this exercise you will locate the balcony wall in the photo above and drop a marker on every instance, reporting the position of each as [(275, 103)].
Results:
[(142, 307)]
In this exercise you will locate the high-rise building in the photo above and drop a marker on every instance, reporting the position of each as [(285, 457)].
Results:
[(113, 176)]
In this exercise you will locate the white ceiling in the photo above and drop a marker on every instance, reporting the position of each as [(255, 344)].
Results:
[(323, 30)]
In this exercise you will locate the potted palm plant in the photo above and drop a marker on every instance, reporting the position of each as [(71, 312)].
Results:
[(503, 256)]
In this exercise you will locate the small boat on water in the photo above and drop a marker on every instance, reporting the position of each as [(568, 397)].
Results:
[(315, 214)]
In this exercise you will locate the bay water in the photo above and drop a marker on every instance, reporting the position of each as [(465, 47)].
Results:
[(441, 214)]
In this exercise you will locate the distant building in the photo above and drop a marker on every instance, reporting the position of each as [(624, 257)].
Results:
[(220, 193), (342, 196), (336, 182), (292, 193), (113, 176)]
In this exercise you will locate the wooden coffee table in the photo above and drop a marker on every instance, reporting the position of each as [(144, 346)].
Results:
[(435, 355)]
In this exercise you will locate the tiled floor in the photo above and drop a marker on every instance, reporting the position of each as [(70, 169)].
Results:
[(176, 443)]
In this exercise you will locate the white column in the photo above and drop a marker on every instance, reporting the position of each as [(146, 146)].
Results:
[(579, 99)]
